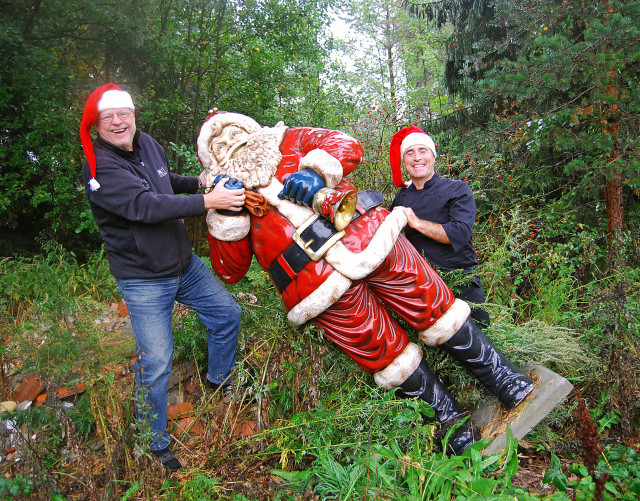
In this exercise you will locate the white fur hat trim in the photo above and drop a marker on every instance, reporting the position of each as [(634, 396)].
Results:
[(414, 139), (113, 99)]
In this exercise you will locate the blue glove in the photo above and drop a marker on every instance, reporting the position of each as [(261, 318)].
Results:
[(300, 187), (231, 184)]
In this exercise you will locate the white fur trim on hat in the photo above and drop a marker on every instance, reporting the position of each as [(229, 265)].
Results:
[(398, 371), (323, 164), (113, 99), (414, 139), (447, 325)]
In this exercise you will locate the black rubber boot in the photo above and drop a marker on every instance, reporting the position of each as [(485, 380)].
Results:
[(426, 386), (472, 348)]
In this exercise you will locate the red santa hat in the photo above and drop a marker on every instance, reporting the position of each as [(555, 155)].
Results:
[(107, 97), (401, 142)]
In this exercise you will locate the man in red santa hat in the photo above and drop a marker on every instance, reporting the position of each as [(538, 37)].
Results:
[(440, 213), (132, 195), (345, 278)]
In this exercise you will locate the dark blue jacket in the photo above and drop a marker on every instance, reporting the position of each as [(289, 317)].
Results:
[(137, 210), (450, 203)]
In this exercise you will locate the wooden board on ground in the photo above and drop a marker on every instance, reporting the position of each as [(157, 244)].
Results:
[(492, 419)]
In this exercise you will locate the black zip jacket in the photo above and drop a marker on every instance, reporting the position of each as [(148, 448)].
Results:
[(138, 211), (450, 203)]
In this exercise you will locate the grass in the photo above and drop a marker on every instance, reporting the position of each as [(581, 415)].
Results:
[(305, 422)]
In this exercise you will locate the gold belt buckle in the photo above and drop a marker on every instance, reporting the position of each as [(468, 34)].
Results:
[(306, 246)]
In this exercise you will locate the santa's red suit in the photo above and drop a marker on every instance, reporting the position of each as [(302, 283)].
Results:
[(349, 291)]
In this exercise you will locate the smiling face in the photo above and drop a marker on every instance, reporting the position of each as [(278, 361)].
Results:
[(419, 162), (118, 126)]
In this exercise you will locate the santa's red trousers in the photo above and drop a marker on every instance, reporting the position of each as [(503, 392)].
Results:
[(360, 322)]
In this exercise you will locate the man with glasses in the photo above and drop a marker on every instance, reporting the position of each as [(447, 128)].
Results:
[(132, 195)]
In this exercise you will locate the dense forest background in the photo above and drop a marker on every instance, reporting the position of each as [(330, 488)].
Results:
[(536, 104)]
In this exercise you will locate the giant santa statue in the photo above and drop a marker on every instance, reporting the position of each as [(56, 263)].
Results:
[(340, 261)]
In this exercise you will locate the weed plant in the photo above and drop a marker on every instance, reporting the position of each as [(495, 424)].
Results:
[(322, 425), (50, 304)]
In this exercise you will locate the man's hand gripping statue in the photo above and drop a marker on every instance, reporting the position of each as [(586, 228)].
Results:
[(339, 260)]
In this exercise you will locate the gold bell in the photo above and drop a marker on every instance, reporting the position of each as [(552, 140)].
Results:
[(336, 206)]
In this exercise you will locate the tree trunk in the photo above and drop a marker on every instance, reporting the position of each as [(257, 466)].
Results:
[(613, 183)]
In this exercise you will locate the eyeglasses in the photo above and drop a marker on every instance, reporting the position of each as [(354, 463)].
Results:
[(122, 115)]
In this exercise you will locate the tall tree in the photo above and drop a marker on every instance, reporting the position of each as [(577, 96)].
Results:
[(177, 57), (560, 80)]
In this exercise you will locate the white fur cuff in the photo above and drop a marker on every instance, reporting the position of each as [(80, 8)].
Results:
[(228, 228), (320, 299), (324, 164), (447, 325), (356, 266), (398, 371)]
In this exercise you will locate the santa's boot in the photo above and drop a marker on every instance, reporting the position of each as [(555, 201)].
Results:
[(426, 386), (411, 377), (471, 347)]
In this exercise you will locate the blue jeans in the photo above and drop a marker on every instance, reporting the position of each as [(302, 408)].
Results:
[(150, 305)]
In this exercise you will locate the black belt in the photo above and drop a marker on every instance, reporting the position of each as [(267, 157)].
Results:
[(311, 241)]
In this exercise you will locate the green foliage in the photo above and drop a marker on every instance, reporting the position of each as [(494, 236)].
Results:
[(82, 417), (547, 344), (409, 471), (178, 59), (190, 339), (49, 296), (350, 418), (13, 488), (619, 468), (201, 487), (374, 131), (50, 432), (55, 281), (558, 85)]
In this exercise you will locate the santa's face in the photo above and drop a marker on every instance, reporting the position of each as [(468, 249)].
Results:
[(224, 146), (240, 150)]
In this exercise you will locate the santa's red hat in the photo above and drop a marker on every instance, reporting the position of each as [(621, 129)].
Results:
[(103, 98), (401, 142)]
